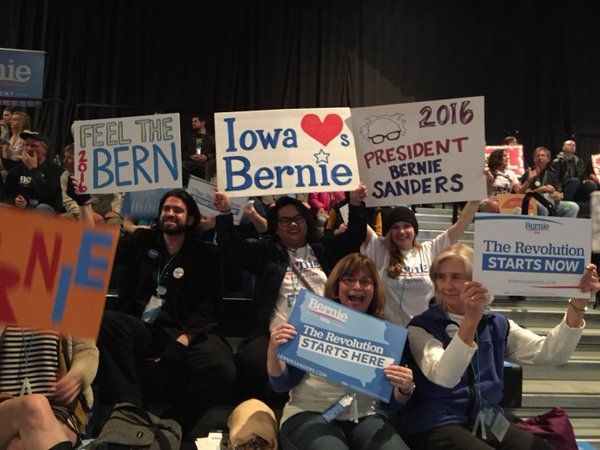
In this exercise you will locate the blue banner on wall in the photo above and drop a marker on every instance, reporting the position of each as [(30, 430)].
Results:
[(21, 75), (343, 345)]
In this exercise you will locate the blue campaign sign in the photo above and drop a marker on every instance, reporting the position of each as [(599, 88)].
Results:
[(21, 74), (142, 204), (343, 345), (533, 256)]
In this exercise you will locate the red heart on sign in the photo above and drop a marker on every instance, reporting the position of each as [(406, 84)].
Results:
[(322, 132)]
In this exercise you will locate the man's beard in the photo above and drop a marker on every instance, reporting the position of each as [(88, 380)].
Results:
[(171, 231)]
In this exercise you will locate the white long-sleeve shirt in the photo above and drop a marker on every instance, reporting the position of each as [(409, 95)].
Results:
[(445, 367)]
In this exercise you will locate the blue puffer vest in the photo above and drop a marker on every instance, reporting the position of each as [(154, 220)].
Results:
[(432, 405)]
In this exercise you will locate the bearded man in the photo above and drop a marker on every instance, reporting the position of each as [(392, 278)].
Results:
[(168, 308)]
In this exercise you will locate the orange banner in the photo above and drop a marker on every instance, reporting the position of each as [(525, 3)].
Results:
[(54, 272), (511, 204)]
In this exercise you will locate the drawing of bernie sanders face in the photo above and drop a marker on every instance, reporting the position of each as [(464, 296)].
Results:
[(381, 128)]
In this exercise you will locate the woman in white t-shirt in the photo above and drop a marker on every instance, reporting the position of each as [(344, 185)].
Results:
[(500, 180), (403, 263)]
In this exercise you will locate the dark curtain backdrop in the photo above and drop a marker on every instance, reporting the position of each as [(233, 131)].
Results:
[(536, 63)]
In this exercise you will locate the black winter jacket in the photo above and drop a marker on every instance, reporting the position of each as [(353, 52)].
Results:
[(267, 258)]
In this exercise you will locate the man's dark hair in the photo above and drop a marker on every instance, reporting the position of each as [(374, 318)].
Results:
[(273, 217), (190, 205)]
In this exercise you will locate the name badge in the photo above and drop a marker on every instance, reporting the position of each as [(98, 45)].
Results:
[(152, 309), (291, 299)]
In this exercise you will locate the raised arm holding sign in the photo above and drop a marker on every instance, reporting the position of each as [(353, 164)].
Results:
[(406, 261), (457, 337)]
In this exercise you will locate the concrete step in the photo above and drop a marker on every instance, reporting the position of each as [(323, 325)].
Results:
[(441, 226), (546, 316), (586, 354), (542, 400), (574, 370), (426, 235), (434, 218), (590, 337), (565, 393), (439, 211)]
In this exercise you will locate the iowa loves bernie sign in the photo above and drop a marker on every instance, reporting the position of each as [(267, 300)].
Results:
[(285, 151)]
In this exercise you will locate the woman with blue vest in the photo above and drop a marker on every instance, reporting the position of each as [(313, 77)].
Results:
[(459, 349)]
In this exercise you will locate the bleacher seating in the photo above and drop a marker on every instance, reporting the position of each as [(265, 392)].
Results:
[(528, 390)]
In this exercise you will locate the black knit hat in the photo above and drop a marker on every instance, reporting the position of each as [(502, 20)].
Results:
[(400, 213)]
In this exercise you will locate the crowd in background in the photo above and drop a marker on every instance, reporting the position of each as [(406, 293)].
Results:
[(369, 259)]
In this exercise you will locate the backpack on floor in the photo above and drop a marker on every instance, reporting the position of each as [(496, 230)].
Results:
[(131, 426)]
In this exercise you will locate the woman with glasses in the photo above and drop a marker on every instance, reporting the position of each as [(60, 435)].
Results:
[(362, 424), (292, 257), (403, 263), (459, 350)]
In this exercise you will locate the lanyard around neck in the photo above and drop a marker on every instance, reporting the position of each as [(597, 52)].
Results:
[(160, 272)]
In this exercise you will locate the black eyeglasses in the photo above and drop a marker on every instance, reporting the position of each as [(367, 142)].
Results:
[(351, 281), (379, 138), (287, 221)]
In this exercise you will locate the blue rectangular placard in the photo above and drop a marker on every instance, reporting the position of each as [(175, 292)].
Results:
[(343, 345), (142, 204), (21, 75), (532, 256)]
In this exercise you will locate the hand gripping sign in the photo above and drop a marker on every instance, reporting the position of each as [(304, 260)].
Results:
[(54, 273), (343, 345)]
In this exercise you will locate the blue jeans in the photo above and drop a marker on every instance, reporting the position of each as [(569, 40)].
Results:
[(43, 207), (563, 209), (309, 431)]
